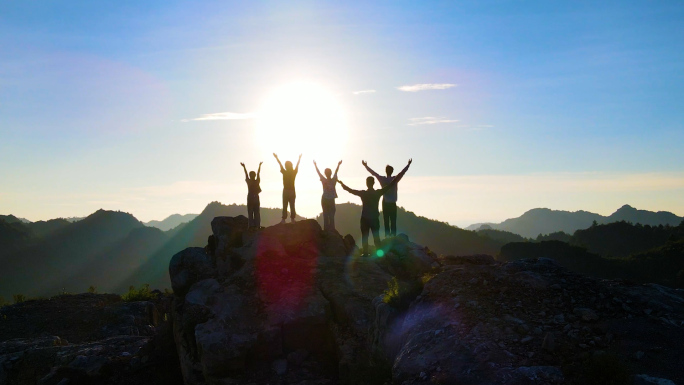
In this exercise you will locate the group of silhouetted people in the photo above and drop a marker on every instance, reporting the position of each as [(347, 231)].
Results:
[(370, 198)]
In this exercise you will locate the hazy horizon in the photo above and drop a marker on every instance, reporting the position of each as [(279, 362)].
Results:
[(149, 108), (463, 225)]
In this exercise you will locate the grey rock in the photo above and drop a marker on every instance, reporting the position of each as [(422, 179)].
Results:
[(586, 314), (279, 366), (187, 267), (644, 379), (544, 373)]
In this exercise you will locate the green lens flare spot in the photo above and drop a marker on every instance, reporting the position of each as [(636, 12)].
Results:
[(380, 253)]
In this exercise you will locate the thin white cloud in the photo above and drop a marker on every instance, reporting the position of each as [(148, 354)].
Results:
[(363, 92), (430, 120), (426, 86), (223, 116)]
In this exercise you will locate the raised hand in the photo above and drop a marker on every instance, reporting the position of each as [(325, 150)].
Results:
[(339, 163), (410, 161), (363, 162), (300, 156), (259, 163), (315, 163), (243, 165), (276, 156)]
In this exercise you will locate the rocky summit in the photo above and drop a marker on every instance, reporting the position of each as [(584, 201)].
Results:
[(294, 304)]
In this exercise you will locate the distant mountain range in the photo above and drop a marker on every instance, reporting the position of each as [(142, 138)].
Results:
[(113, 250), (545, 221), (171, 221), (12, 219), (641, 253)]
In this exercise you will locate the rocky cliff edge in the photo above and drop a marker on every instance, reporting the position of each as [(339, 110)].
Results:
[(294, 304)]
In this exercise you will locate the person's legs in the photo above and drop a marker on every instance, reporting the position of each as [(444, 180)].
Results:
[(326, 214), (386, 218), (293, 212), (285, 200), (375, 228), (250, 214), (364, 235), (331, 214), (250, 221), (392, 208), (257, 213)]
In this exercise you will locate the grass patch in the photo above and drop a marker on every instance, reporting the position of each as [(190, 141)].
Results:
[(142, 294), (19, 298), (400, 294)]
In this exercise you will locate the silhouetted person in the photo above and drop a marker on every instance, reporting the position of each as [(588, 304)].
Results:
[(289, 194), (253, 190), (389, 200), (370, 215), (329, 194)]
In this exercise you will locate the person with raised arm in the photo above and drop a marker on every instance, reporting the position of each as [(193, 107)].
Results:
[(370, 216), (253, 189), (289, 195), (389, 200), (329, 182)]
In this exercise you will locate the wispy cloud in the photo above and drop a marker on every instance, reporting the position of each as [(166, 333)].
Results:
[(426, 86), (363, 92), (430, 120), (223, 116)]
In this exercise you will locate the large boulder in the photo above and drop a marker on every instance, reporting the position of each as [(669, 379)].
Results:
[(290, 290), (187, 267)]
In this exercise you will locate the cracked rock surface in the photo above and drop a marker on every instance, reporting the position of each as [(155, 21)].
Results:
[(294, 304)]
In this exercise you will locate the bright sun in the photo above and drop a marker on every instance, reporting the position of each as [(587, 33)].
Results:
[(302, 118)]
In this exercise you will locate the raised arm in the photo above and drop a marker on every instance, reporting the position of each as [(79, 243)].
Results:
[(337, 169), (370, 170), (281, 165), (344, 186), (318, 171), (245, 168), (259, 171), (397, 178), (298, 160)]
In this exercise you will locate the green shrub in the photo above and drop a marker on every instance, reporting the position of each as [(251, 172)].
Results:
[(19, 298), (142, 294), (399, 294), (3, 302), (92, 289)]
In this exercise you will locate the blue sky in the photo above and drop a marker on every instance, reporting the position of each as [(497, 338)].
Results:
[(571, 106)]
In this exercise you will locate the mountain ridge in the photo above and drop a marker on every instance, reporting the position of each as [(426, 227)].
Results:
[(172, 221), (544, 221)]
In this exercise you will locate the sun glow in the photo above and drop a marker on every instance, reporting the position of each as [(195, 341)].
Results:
[(302, 118)]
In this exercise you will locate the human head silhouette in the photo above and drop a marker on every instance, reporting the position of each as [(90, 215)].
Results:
[(370, 182), (288, 165), (389, 170), (252, 175), (328, 173)]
